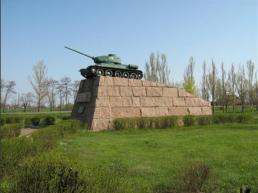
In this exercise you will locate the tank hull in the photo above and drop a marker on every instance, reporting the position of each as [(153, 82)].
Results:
[(124, 71)]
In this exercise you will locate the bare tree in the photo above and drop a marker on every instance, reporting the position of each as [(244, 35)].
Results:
[(256, 92), (157, 69), (7, 88), (211, 82), (232, 85), (204, 91), (66, 82), (38, 83), (189, 82), (60, 91), (250, 74), (51, 85), (241, 85), (75, 88), (26, 100), (223, 86)]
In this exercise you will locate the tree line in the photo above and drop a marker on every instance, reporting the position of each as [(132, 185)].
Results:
[(236, 87), (56, 94)]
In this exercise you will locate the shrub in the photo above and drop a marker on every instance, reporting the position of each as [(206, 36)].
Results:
[(145, 122), (49, 175), (204, 120), (189, 120), (2, 121), (243, 118), (10, 130), (35, 121), (10, 120), (49, 120), (27, 122), (197, 177)]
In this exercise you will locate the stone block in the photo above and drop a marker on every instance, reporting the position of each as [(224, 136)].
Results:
[(136, 101), (195, 110), (120, 81), (178, 111), (100, 124), (139, 91), (102, 113), (179, 102), (148, 112), (105, 81), (133, 82), (127, 101), (102, 102), (183, 93), (162, 101), (161, 111), (172, 92), (206, 111), (115, 101), (154, 91), (108, 91), (147, 101), (193, 102), (148, 83), (126, 91), (118, 112)]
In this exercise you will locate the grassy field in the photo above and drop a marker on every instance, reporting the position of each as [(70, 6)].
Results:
[(155, 157)]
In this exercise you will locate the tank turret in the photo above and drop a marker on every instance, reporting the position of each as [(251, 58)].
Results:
[(109, 65)]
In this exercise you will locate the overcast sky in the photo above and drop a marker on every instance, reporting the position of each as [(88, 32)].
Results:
[(225, 30)]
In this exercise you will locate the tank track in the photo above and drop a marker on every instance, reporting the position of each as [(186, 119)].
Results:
[(92, 71)]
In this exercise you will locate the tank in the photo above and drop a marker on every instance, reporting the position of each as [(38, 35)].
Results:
[(109, 65)]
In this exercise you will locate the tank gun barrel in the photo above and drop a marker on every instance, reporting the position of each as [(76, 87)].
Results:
[(93, 58)]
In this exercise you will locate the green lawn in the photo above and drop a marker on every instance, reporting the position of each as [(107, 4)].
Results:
[(155, 157)]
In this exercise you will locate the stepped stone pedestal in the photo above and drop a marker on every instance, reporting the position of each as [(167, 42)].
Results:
[(102, 99)]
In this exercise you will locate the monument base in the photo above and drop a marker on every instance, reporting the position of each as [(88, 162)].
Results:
[(102, 99)]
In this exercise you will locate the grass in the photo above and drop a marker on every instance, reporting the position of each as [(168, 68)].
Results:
[(155, 157)]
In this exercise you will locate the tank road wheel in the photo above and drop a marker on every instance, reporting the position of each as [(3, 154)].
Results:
[(118, 74), (93, 71), (133, 76), (139, 76), (100, 72), (108, 72), (125, 74)]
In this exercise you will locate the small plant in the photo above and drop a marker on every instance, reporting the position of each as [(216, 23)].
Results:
[(10, 130), (2, 121), (204, 120), (49, 120), (189, 120), (10, 120), (35, 121)]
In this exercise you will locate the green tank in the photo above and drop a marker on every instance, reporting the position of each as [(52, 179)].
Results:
[(109, 65)]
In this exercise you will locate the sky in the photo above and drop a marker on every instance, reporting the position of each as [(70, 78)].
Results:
[(31, 31)]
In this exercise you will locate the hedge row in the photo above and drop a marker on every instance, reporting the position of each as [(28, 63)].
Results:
[(172, 121), (31, 118), (15, 149)]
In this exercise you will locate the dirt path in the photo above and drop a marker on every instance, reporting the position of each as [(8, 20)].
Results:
[(27, 131)]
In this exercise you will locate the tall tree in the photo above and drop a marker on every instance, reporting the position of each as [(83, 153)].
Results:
[(250, 73), (241, 85), (232, 85), (38, 82), (8, 89), (60, 91), (51, 85), (75, 88), (189, 82), (211, 82), (26, 100), (66, 82), (157, 69), (204, 91), (223, 86)]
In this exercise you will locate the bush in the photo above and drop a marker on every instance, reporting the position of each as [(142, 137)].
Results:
[(189, 120), (10, 130), (49, 175), (243, 118), (145, 122), (197, 177), (10, 120), (2, 121), (49, 120), (27, 122), (204, 120), (35, 121)]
